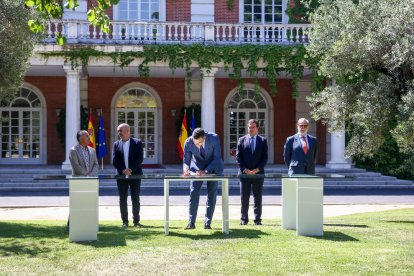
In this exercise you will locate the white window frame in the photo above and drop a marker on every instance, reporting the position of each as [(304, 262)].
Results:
[(285, 18), (162, 15)]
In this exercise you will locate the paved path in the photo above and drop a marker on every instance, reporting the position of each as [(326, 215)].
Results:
[(56, 207)]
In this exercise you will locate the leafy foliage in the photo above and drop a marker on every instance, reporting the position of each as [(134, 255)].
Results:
[(299, 11), (54, 9), (16, 46), (238, 60), (368, 48)]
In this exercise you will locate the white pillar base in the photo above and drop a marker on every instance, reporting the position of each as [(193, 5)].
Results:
[(337, 160), (338, 165), (66, 166)]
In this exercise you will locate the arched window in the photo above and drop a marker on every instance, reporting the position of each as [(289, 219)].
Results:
[(21, 129), (138, 108), (243, 106)]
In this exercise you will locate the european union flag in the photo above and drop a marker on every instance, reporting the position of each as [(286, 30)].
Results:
[(101, 145)]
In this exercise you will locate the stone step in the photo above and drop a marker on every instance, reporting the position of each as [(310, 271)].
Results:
[(113, 188), (20, 178)]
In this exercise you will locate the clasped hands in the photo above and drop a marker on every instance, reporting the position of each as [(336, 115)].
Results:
[(247, 171), (127, 172)]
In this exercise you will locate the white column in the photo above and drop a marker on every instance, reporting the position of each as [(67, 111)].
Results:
[(337, 160), (208, 102), (72, 110), (337, 156)]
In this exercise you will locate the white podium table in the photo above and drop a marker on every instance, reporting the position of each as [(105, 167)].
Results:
[(83, 209), (302, 204), (224, 198)]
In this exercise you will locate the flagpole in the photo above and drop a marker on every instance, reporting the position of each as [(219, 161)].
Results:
[(102, 164)]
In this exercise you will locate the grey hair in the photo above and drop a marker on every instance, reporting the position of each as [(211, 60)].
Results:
[(303, 120), (123, 125)]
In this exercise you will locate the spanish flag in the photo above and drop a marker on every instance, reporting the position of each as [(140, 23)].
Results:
[(91, 132), (183, 136)]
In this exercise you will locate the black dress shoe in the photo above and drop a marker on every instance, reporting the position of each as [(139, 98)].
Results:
[(137, 224), (190, 226), (125, 225), (207, 226), (243, 222), (257, 223)]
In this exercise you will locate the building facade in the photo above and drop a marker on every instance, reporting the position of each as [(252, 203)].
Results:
[(151, 105)]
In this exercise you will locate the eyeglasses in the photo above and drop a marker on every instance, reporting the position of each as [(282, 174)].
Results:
[(304, 126)]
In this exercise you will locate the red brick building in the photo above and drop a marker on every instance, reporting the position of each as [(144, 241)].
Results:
[(151, 105)]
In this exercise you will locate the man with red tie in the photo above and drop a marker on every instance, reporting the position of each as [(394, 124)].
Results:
[(300, 150)]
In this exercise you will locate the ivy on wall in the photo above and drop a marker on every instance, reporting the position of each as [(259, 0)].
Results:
[(269, 61), (230, 4)]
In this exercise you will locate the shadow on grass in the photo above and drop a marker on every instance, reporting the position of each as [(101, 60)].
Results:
[(219, 235), (346, 225), (115, 236), (33, 239), (29, 238), (401, 221), (336, 236)]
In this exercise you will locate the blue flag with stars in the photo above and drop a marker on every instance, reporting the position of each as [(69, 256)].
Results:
[(101, 144)]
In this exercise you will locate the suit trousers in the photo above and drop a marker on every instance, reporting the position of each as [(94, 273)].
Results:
[(134, 185), (247, 186), (195, 188)]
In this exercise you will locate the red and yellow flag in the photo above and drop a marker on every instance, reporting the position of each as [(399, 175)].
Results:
[(91, 131), (183, 136)]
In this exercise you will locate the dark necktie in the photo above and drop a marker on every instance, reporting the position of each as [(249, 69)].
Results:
[(252, 145), (202, 152)]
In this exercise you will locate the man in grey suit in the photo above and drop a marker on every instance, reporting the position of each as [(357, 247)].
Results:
[(202, 155), (82, 157), (301, 150)]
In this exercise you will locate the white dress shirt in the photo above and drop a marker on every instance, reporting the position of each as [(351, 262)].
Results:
[(125, 147)]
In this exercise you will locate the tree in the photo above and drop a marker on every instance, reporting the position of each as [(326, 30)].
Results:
[(16, 46), (367, 48), (54, 9)]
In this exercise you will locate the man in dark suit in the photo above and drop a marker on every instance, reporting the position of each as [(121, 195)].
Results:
[(127, 157), (301, 150), (251, 156), (202, 155)]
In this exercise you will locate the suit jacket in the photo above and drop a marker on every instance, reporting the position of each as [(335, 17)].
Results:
[(135, 157), (212, 163), (78, 162), (295, 157), (248, 160)]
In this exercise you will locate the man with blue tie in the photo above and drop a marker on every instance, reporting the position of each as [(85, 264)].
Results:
[(127, 157), (301, 150), (251, 156), (202, 155)]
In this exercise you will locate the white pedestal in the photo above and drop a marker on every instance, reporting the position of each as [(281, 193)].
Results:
[(83, 208), (302, 205)]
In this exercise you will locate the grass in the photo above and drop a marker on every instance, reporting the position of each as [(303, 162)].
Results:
[(371, 243)]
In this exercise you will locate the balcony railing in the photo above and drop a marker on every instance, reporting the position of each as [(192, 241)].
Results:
[(127, 32)]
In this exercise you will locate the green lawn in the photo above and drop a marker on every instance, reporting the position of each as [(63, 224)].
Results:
[(370, 243)]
